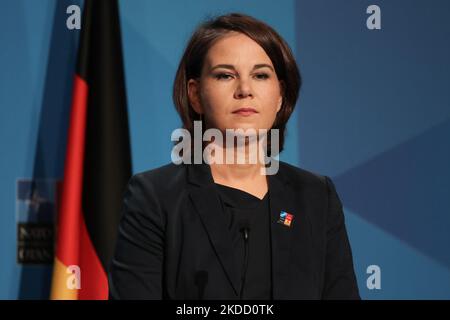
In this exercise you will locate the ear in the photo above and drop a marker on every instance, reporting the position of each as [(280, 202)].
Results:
[(280, 100), (193, 87), (280, 103)]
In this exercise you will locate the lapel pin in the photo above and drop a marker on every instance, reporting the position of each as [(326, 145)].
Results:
[(285, 218)]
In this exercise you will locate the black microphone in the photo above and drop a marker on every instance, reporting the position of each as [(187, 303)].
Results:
[(244, 227), (201, 279)]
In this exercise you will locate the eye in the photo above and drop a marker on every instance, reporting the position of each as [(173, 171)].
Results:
[(261, 76), (223, 76)]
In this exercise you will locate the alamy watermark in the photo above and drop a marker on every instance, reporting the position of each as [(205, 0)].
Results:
[(240, 146), (374, 280), (73, 281)]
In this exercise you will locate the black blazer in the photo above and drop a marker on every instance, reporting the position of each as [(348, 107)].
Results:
[(173, 244)]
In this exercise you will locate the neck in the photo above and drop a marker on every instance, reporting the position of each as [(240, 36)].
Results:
[(246, 176), (236, 172)]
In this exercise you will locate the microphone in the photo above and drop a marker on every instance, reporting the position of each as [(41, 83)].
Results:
[(201, 279), (244, 227)]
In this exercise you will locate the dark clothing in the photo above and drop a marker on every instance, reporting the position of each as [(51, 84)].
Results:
[(173, 241), (244, 210)]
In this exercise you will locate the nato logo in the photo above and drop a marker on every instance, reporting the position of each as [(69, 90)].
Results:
[(285, 218), (36, 209)]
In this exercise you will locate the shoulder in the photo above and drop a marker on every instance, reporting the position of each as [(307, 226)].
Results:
[(308, 181), (166, 173), (312, 183), (296, 175), (157, 182)]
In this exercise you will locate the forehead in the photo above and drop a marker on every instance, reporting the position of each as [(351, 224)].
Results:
[(236, 48)]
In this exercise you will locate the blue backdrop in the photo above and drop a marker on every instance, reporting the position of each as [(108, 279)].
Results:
[(373, 114)]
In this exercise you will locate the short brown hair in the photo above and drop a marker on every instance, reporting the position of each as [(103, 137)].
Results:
[(202, 40)]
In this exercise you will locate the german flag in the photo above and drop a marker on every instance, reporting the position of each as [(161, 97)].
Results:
[(98, 161)]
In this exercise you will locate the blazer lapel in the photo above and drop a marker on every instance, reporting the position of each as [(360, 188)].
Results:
[(283, 197), (208, 205)]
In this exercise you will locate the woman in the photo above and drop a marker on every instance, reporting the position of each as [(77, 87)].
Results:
[(232, 230)]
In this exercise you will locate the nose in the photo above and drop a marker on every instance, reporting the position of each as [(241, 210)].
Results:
[(243, 90)]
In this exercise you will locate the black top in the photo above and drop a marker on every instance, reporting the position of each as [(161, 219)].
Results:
[(244, 210)]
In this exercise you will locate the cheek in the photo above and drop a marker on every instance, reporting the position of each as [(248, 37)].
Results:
[(271, 98), (215, 98)]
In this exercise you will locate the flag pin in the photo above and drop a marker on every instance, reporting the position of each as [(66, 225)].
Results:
[(285, 218)]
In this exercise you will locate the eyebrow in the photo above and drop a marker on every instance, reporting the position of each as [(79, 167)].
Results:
[(231, 67)]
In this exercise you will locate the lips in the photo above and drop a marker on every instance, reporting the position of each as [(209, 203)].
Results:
[(245, 111)]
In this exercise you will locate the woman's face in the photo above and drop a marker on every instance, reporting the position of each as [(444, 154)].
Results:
[(238, 87)]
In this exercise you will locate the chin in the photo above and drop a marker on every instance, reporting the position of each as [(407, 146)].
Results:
[(244, 125)]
